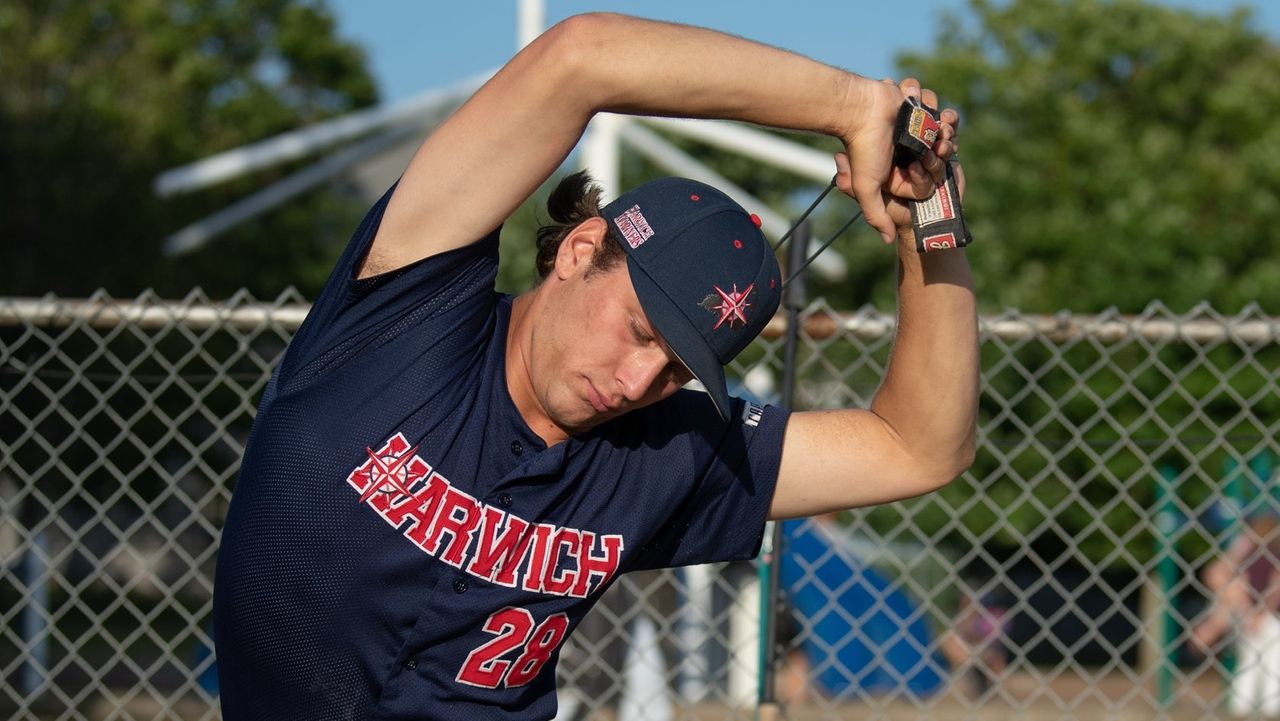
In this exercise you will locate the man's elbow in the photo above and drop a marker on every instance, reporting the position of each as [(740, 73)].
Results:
[(967, 452), (581, 41), (963, 462), (941, 471), (572, 51), (576, 31), (964, 457)]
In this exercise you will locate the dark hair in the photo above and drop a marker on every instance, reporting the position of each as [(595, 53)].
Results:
[(575, 200)]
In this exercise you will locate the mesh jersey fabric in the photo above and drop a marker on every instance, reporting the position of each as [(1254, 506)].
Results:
[(363, 572)]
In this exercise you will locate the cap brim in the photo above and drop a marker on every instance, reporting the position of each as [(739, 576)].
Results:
[(685, 341)]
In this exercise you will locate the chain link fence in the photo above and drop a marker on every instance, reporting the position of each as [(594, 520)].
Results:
[(1076, 571)]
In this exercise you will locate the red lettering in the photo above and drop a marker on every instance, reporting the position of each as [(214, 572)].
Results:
[(538, 554), (554, 560), (557, 579), (459, 515), (421, 507), (601, 567), (499, 551)]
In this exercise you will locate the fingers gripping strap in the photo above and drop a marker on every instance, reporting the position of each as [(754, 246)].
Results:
[(939, 220), (915, 131)]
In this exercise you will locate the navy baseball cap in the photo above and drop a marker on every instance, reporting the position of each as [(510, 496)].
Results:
[(705, 275)]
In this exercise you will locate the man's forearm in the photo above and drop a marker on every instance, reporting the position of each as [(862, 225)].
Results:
[(649, 67), (641, 66), (930, 392), (508, 138)]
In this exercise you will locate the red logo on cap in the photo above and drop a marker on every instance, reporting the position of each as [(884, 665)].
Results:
[(733, 305), (633, 226)]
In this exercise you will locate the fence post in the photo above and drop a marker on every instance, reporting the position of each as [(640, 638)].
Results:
[(793, 301), (1167, 572), (35, 634)]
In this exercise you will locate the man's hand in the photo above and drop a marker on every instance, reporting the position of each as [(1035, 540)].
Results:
[(869, 142), (897, 186)]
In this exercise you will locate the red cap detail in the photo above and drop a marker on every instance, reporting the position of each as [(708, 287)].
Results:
[(755, 219), (737, 243), (694, 198)]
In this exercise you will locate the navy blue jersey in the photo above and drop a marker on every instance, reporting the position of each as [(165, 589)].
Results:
[(400, 545)]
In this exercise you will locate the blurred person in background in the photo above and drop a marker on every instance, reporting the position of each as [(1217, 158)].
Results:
[(1244, 584)]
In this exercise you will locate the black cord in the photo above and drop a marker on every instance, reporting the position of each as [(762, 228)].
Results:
[(805, 214), (823, 247)]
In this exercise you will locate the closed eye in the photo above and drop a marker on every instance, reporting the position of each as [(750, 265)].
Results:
[(639, 333)]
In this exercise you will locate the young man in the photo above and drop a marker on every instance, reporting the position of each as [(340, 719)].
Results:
[(441, 479)]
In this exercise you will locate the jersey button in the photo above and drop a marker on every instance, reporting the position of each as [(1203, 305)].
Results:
[(505, 500), (460, 585), (411, 664), (517, 447)]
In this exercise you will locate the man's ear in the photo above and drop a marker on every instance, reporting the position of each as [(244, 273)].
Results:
[(577, 248)]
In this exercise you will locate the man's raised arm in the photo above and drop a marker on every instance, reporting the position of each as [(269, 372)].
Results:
[(919, 433), (486, 159)]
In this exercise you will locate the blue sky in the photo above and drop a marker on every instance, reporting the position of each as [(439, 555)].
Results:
[(417, 45)]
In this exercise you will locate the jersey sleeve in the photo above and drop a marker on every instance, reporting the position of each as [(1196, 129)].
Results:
[(352, 315), (722, 517)]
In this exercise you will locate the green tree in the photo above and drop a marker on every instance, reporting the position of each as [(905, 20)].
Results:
[(1120, 152), (100, 97)]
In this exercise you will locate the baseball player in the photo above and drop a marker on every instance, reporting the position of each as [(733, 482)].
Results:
[(441, 479)]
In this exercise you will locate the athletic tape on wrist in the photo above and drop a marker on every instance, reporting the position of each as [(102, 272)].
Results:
[(938, 221)]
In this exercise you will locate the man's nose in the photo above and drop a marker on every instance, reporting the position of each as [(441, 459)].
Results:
[(638, 374)]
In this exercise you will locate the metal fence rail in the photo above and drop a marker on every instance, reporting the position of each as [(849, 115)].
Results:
[(1063, 576)]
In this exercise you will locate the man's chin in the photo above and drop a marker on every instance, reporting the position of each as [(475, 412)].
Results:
[(578, 424), (572, 424)]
